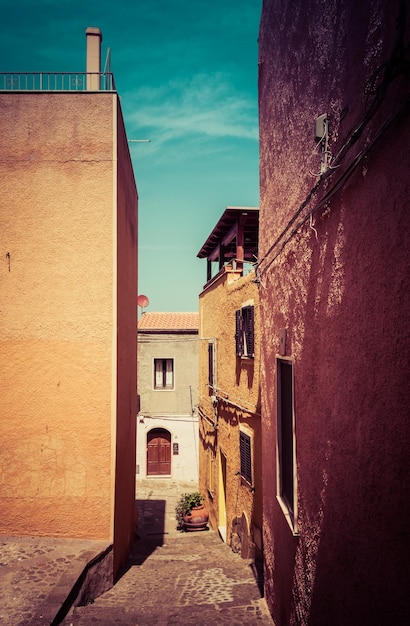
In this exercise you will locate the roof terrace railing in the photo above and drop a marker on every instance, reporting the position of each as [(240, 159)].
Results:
[(57, 81)]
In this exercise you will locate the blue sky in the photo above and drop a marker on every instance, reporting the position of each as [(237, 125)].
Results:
[(186, 73)]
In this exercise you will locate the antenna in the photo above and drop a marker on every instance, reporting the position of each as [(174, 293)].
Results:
[(143, 302), (107, 67)]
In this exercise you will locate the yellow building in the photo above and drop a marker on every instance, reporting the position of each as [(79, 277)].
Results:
[(229, 408), (68, 289)]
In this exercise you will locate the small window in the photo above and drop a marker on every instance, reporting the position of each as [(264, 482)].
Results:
[(163, 373), (211, 367), (245, 335), (246, 456), (286, 465)]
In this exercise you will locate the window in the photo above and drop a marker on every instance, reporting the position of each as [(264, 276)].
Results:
[(286, 440), (244, 335), (163, 373), (211, 476), (211, 367), (246, 458)]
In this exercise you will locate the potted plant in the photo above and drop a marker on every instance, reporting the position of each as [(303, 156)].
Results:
[(191, 513)]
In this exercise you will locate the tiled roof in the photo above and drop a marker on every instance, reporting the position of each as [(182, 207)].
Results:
[(168, 321)]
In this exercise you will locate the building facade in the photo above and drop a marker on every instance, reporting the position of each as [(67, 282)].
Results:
[(68, 288), (229, 408), (167, 421), (333, 274)]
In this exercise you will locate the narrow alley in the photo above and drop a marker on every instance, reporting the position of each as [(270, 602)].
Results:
[(176, 578)]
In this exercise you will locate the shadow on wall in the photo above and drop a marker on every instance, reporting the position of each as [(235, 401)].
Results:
[(350, 565)]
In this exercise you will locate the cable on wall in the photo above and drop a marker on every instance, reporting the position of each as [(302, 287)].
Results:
[(338, 185)]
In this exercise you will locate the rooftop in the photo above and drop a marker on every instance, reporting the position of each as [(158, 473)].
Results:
[(57, 81), (226, 230), (233, 242), (168, 322), (93, 79)]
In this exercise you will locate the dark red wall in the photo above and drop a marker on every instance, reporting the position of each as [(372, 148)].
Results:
[(339, 284)]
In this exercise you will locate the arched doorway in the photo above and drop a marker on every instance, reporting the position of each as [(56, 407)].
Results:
[(158, 452)]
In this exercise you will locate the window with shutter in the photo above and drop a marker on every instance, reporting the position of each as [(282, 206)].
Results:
[(248, 325), (246, 457), (163, 373), (245, 334)]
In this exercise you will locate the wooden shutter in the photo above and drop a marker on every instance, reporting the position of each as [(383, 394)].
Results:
[(169, 374), (238, 333), (246, 460), (158, 374), (249, 325)]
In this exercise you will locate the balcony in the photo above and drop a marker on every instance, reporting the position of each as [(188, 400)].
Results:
[(57, 81)]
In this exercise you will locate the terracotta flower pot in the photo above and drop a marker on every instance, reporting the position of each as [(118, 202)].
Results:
[(197, 519)]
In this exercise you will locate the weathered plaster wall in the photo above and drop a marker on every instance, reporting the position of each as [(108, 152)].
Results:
[(237, 380), (339, 285), (126, 199), (56, 326), (175, 410), (183, 348)]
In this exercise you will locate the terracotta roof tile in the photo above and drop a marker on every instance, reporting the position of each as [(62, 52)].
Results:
[(168, 321)]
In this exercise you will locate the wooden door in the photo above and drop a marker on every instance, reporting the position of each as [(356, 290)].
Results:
[(158, 452)]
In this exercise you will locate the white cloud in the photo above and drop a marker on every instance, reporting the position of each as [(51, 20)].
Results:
[(205, 105)]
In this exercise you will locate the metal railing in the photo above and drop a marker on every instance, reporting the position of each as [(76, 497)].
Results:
[(57, 81)]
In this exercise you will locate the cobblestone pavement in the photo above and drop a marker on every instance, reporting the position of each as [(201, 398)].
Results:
[(175, 578), (172, 578), (191, 579), (36, 575)]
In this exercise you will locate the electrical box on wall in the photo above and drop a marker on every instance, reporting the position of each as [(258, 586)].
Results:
[(321, 127)]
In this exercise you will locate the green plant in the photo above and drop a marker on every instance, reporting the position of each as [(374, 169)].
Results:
[(185, 504)]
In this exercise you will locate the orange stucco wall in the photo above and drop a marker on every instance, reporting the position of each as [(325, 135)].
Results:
[(237, 380), (58, 321)]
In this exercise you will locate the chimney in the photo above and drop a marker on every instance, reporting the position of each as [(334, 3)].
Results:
[(94, 38)]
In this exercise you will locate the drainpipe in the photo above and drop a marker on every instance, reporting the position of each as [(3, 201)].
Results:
[(93, 68)]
